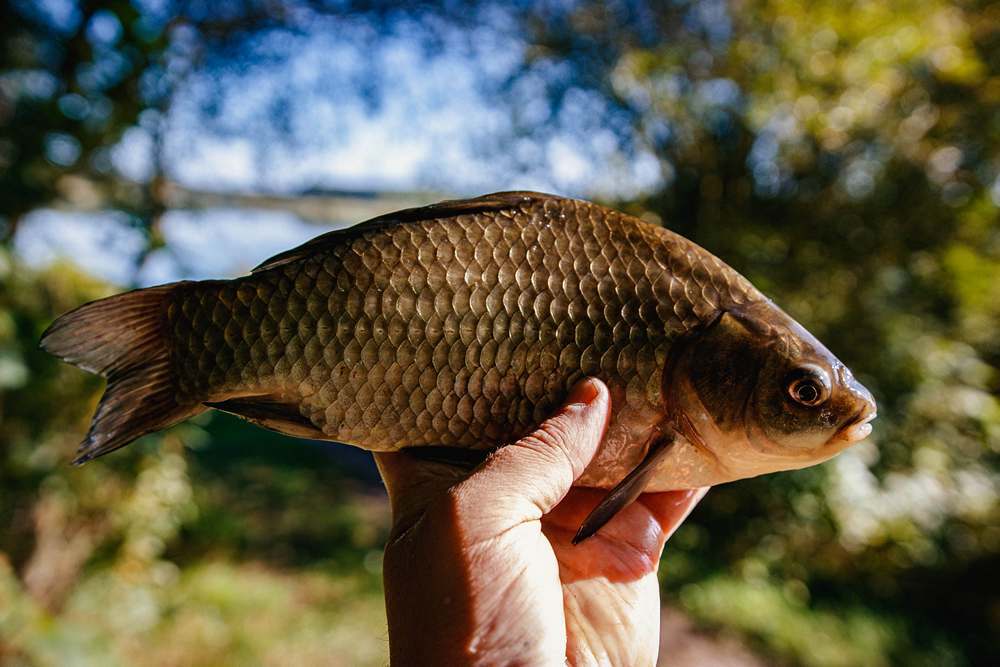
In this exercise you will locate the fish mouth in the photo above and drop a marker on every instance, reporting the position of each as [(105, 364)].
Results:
[(860, 427)]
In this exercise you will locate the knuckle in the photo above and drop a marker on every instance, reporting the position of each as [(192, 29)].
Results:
[(556, 441), (553, 434)]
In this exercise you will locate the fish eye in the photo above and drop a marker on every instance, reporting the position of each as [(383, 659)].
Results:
[(809, 385)]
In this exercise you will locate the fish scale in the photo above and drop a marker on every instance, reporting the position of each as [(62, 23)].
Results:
[(463, 330)]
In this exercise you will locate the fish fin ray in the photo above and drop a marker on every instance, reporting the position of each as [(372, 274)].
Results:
[(272, 412), (445, 209), (124, 339), (626, 491)]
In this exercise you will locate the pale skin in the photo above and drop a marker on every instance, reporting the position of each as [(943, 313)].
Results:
[(480, 568)]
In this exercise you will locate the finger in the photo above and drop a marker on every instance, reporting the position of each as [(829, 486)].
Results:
[(629, 546), (524, 480), (671, 508)]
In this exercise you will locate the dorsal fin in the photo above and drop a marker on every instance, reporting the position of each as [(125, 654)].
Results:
[(445, 209)]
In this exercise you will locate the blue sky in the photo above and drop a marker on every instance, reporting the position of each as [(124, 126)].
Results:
[(431, 130)]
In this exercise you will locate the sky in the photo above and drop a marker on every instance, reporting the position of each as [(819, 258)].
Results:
[(431, 130)]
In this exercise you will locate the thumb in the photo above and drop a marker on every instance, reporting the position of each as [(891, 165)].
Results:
[(524, 480)]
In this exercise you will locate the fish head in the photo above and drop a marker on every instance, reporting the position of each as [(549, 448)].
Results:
[(759, 393)]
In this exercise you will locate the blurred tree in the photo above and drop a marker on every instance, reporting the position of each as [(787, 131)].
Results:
[(71, 84)]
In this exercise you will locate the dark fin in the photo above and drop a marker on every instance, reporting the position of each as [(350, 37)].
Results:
[(122, 338), (627, 490), (446, 209), (272, 413), (460, 457)]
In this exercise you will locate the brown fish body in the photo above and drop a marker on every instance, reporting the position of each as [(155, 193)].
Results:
[(461, 330), (460, 325)]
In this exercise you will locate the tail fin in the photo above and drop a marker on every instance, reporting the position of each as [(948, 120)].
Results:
[(124, 339)]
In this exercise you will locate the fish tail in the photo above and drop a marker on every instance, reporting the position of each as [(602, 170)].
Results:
[(123, 338)]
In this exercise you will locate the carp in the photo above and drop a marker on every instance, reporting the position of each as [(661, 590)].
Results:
[(452, 329)]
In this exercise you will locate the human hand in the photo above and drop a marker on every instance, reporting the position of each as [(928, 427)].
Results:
[(480, 568)]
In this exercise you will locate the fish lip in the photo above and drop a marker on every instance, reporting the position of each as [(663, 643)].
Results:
[(859, 427)]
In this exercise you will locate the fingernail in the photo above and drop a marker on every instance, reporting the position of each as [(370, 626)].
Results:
[(583, 393)]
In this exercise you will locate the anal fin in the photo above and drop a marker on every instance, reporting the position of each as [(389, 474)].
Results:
[(627, 490), (271, 412)]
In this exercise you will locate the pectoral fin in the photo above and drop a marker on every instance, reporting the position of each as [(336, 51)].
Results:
[(627, 490)]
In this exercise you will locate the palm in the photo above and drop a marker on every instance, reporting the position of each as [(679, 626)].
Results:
[(610, 591)]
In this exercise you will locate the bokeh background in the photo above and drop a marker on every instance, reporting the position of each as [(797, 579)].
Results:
[(844, 155)]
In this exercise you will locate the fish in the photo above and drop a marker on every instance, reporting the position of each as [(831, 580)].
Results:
[(453, 329)]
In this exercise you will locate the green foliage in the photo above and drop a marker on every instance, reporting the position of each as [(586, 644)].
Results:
[(779, 616), (211, 613), (67, 96)]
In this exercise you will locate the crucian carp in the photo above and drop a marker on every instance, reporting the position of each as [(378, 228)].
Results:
[(458, 327)]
